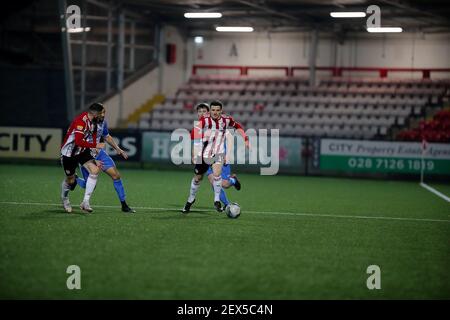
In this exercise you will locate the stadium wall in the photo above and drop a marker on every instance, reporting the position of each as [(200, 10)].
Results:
[(297, 156), (165, 79), (406, 50), (133, 96), (173, 75)]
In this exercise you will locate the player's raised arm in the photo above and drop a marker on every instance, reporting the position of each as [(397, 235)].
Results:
[(239, 128), (197, 131), (110, 140), (230, 145), (196, 137)]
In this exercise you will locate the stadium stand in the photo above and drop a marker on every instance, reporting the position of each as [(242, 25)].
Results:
[(360, 108), (436, 129)]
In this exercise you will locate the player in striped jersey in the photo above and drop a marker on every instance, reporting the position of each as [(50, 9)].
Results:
[(209, 150), (75, 150), (228, 179), (107, 164)]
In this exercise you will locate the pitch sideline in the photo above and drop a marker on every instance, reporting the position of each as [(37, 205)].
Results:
[(341, 216), (434, 191)]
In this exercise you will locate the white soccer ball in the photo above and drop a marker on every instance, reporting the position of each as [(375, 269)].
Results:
[(233, 210)]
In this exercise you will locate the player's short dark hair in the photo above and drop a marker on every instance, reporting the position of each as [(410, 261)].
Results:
[(96, 107), (202, 106), (216, 103)]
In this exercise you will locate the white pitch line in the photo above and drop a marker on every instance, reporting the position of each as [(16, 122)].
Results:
[(348, 216), (432, 190), (256, 212)]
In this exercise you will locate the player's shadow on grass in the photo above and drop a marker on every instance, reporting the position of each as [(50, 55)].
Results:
[(181, 216), (51, 214), (175, 213), (203, 210), (194, 207)]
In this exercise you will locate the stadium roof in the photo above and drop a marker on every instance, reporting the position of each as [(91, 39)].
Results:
[(296, 15), (426, 16)]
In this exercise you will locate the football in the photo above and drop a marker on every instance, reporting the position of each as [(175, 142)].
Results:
[(233, 210)]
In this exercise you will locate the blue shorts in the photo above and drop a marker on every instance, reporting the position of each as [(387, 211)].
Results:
[(107, 161), (226, 172)]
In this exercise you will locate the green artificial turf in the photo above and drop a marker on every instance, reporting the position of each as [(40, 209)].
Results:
[(297, 238)]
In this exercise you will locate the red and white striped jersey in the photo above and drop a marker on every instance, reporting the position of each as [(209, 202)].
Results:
[(212, 134), (77, 138)]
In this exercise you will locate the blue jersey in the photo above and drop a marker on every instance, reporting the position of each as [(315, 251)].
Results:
[(102, 130)]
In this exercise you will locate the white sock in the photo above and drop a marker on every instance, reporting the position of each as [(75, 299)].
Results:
[(217, 188), (90, 186), (65, 188), (194, 188)]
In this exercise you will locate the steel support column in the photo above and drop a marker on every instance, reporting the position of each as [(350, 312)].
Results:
[(83, 57), (132, 43), (313, 57), (120, 63), (67, 55), (109, 51)]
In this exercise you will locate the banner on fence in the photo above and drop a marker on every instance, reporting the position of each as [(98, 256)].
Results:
[(383, 156)]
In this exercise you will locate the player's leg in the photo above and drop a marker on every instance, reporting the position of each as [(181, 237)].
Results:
[(88, 162), (232, 179), (109, 167), (69, 183), (226, 171), (195, 185), (217, 184), (225, 184), (199, 171), (85, 173), (82, 181), (226, 175), (118, 186)]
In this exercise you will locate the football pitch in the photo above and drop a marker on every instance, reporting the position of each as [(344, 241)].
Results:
[(297, 238)]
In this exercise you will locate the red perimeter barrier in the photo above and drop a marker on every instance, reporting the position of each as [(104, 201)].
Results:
[(243, 69), (335, 71)]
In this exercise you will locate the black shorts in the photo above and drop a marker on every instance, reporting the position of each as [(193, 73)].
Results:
[(202, 167), (70, 164)]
